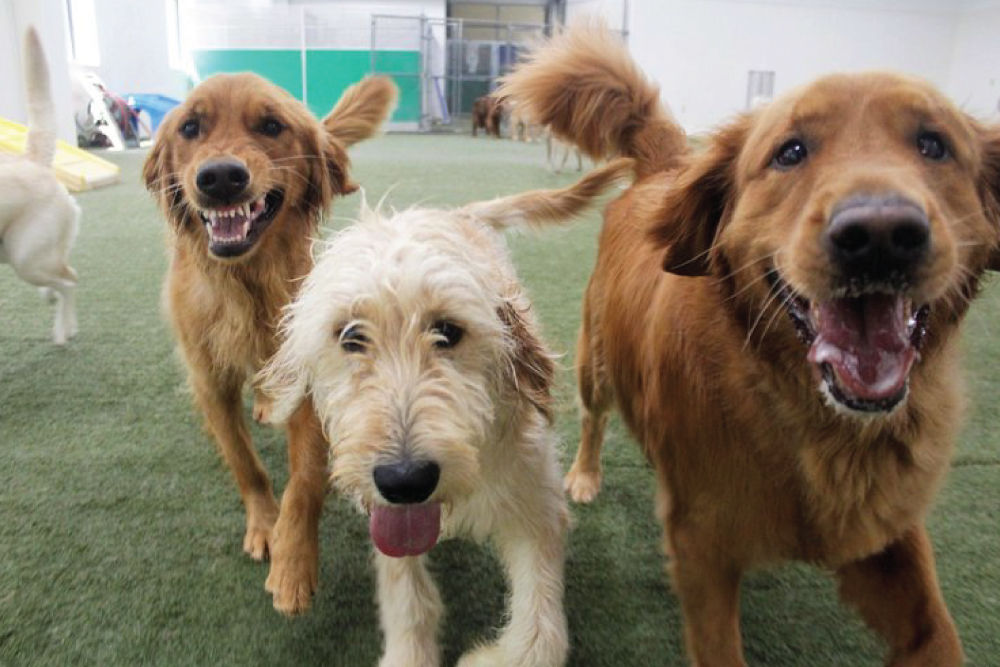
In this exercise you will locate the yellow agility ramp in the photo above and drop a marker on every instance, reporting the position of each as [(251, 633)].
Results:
[(75, 168)]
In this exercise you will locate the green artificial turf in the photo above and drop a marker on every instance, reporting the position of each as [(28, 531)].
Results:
[(121, 529)]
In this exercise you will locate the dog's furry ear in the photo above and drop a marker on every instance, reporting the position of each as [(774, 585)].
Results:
[(532, 368), (539, 207), (285, 381), (361, 110), (692, 213), (328, 175), (159, 178), (989, 187)]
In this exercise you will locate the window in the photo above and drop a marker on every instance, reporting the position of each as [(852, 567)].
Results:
[(760, 87), (174, 58), (83, 43)]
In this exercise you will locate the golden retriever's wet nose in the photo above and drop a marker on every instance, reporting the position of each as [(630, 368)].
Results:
[(223, 179), (878, 237)]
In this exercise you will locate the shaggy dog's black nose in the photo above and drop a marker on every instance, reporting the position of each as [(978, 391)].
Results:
[(407, 481), (878, 237), (223, 179)]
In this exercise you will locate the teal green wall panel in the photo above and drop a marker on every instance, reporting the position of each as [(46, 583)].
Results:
[(281, 67), (328, 73)]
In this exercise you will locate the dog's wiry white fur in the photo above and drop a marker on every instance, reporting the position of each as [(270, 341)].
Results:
[(479, 409), (38, 217)]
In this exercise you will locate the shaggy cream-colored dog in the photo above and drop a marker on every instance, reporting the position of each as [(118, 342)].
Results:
[(421, 354), (38, 217)]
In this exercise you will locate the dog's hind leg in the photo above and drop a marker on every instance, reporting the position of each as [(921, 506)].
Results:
[(583, 480), (219, 396), (410, 610), (295, 541), (897, 593)]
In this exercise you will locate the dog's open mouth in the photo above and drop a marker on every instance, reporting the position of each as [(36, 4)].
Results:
[(232, 230), (405, 530), (863, 344)]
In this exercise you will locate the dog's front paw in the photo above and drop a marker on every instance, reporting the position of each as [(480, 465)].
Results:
[(504, 653), (261, 515), (294, 575), (262, 408), (409, 657), (490, 655), (581, 485)]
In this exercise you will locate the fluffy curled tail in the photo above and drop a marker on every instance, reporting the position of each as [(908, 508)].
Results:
[(540, 207), (585, 86), (41, 111)]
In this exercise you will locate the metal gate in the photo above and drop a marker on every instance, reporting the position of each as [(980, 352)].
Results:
[(459, 60)]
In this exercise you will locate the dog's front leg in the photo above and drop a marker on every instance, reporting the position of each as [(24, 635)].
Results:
[(295, 542), (897, 593), (409, 609), (536, 635)]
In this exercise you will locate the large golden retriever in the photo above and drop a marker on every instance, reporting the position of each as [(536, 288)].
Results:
[(243, 173), (776, 318)]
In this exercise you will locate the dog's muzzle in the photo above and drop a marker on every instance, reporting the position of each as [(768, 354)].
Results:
[(408, 526)]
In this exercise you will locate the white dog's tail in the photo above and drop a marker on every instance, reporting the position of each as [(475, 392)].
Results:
[(540, 207), (41, 112)]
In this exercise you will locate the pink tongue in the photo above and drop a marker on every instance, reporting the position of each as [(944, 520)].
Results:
[(405, 530), (865, 340), (229, 227)]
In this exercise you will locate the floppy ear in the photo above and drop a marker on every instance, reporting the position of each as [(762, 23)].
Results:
[(160, 179), (328, 175), (691, 215), (989, 188), (361, 109), (533, 368)]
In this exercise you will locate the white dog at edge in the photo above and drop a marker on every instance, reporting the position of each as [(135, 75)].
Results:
[(419, 349), (38, 217)]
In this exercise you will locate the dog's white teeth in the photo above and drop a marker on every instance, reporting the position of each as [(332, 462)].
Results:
[(246, 210)]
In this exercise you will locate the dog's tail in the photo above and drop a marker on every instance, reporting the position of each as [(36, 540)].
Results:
[(362, 109), (585, 86), (539, 207), (41, 146)]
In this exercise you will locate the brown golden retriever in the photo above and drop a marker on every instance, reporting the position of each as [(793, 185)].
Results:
[(243, 173), (776, 317)]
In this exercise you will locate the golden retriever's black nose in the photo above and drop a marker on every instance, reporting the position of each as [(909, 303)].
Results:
[(407, 481), (224, 179), (878, 237)]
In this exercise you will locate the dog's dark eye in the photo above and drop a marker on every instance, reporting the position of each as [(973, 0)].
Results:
[(791, 153), (271, 127), (450, 334), (190, 129), (932, 146), (352, 340)]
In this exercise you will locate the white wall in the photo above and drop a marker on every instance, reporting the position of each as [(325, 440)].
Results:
[(48, 17), (700, 51), (133, 43), (974, 80)]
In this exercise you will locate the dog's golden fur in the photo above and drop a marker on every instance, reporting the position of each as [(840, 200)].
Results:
[(224, 310), (682, 330)]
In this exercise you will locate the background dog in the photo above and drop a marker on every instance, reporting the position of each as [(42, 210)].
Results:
[(776, 318), (243, 173), (434, 389), (487, 113), (38, 217), (557, 153)]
